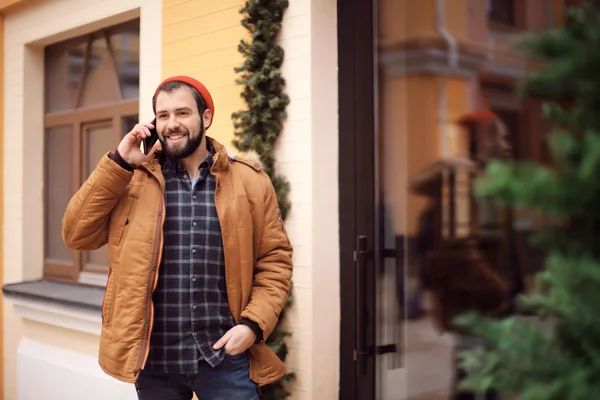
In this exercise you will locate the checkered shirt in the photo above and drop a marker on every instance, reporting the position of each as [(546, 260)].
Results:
[(190, 301)]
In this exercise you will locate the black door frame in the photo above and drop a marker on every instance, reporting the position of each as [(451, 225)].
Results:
[(357, 197)]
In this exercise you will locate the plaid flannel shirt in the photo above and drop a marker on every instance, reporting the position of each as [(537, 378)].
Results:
[(190, 301)]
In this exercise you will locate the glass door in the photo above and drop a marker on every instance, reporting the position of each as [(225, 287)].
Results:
[(438, 251), (420, 117)]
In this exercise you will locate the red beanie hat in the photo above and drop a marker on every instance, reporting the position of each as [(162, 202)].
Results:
[(197, 85)]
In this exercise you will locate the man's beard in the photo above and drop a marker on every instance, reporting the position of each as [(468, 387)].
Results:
[(192, 143)]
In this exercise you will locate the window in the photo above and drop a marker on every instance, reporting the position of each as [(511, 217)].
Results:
[(501, 11), (91, 101)]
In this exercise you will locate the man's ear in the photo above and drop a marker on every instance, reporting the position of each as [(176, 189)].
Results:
[(207, 117)]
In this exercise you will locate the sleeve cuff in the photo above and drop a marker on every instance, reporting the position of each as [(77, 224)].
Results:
[(255, 328), (116, 157)]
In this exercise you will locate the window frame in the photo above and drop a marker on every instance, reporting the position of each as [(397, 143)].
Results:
[(114, 113)]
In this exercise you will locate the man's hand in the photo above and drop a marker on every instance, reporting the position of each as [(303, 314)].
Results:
[(129, 148), (236, 340)]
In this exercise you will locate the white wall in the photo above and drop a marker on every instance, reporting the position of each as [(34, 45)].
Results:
[(307, 154), (48, 372), (27, 29), (325, 149)]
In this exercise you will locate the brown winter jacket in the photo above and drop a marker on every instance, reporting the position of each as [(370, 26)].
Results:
[(126, 210)]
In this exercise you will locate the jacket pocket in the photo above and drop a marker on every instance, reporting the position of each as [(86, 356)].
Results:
[(121, 220), (109, 297)]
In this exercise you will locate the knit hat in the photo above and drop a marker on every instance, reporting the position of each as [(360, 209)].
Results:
[(195, 84)]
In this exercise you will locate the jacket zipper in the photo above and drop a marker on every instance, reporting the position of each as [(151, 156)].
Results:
[(149, 316)]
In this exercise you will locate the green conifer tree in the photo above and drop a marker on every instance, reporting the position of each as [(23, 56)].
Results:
[(556, 356)]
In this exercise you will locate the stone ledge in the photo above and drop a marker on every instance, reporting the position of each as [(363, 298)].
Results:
[(76, 307), (429, 60)]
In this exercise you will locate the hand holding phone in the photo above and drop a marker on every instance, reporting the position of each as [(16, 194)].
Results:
[(141, 134)]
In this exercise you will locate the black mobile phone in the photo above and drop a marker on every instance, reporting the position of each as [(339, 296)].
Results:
[(150, 140)]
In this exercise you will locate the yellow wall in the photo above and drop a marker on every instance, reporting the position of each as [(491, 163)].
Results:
[(404, 20), (4, 4), (423, 136), (457, 92), (410, 139), (456, 19), (200, 38)]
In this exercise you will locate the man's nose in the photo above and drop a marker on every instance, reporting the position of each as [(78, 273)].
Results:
[(173, 123)]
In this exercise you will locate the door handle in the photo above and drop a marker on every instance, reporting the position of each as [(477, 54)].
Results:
[(361, 257)]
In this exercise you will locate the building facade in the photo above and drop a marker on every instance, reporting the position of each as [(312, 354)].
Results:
[(378, 90)]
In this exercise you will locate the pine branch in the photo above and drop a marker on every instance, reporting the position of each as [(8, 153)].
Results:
[(258, 126)]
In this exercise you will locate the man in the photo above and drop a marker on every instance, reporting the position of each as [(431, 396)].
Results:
[(199, 262)]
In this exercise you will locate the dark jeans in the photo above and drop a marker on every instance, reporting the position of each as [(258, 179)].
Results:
[(230, 380)]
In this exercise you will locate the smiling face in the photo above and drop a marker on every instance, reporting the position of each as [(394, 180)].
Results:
[(179, 125)]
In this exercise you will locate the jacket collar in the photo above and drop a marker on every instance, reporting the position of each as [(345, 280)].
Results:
[(220, 159)]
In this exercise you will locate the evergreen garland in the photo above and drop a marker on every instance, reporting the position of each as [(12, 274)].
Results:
[(560, 359), (258, 127)]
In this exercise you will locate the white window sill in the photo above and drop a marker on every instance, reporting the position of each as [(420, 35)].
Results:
[(93, 279), (69, 306)]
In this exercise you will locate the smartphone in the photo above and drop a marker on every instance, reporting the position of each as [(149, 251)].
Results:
[(150, 140)]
